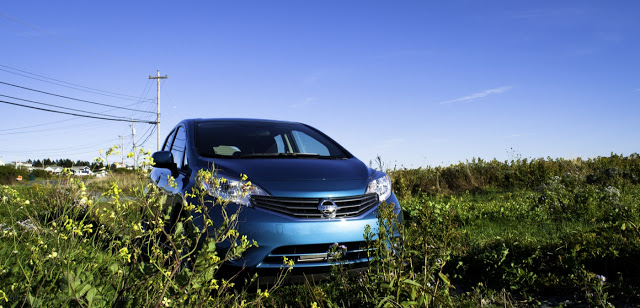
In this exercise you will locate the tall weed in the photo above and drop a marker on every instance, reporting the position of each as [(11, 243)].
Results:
[(63, 247)]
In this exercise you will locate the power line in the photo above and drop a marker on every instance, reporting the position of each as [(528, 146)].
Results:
[(79, 115), (56, 122), (70, 85), (153, 128), (145, 91), (61, 153), (146, 108), (146, 132), (61, 107), (71, 98), (32, 126), (67, 149), (54, 129)]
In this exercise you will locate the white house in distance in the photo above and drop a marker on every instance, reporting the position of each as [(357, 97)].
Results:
[(120, 165), (81, 170), (53, 169), (25, 165), (1, 162)]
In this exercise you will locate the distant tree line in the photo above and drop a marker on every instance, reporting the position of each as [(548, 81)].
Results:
[(66, 163)]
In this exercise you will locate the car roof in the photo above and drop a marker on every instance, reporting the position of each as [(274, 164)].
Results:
[(198, 120)]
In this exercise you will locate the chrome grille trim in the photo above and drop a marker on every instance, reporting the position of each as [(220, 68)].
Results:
[(307, 208)]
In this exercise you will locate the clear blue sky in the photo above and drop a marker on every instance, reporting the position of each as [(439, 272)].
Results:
[(416, 82)]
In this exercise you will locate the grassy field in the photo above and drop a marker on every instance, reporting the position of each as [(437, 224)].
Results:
[(477, 234)]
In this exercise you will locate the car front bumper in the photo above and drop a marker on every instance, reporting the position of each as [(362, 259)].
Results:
[(312, 244)]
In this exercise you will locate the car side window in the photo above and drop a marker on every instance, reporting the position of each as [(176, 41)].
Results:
[(185, 164), (177, 149), (282, 144), (307, 144), (168, 141)]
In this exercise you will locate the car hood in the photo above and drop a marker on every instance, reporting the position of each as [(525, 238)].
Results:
[(301, 177)]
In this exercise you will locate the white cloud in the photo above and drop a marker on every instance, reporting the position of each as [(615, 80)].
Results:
[(313, 79), (473, 96), (309, 101)]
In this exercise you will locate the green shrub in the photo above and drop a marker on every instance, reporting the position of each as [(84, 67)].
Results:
[(39, 173), (480, 176), (61, 247), (9, 174), (480, 233), (405, 270)]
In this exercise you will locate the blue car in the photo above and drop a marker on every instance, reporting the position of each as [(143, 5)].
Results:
[(307, 194)]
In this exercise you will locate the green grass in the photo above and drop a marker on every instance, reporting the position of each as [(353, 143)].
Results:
[(127, 181), (60, 246), (479, 233)]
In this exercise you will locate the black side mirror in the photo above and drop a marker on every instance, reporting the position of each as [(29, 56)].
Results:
[(164, 159)]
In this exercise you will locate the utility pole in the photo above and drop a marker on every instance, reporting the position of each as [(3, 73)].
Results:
[(122, 151), (133, 138), (157, 78)]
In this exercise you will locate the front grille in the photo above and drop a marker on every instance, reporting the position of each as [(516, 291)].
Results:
[(319, 253), (307, 208)]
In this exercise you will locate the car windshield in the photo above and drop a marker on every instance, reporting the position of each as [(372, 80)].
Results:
[(246, 139)]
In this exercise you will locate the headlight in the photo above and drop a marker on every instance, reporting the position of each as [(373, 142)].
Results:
[(234, 191), (381, 186)]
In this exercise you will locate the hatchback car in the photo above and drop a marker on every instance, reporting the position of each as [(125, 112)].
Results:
[(308, 193)]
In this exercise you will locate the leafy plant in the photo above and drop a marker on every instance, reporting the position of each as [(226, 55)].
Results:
[(62, 247)]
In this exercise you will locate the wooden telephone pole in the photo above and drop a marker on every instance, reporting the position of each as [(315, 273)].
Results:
[(157, 78)]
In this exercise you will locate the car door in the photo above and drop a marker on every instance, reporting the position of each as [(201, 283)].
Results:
[(160, 176), (173, 184)]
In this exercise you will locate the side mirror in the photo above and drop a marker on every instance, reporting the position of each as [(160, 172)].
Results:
[(164, 159)]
